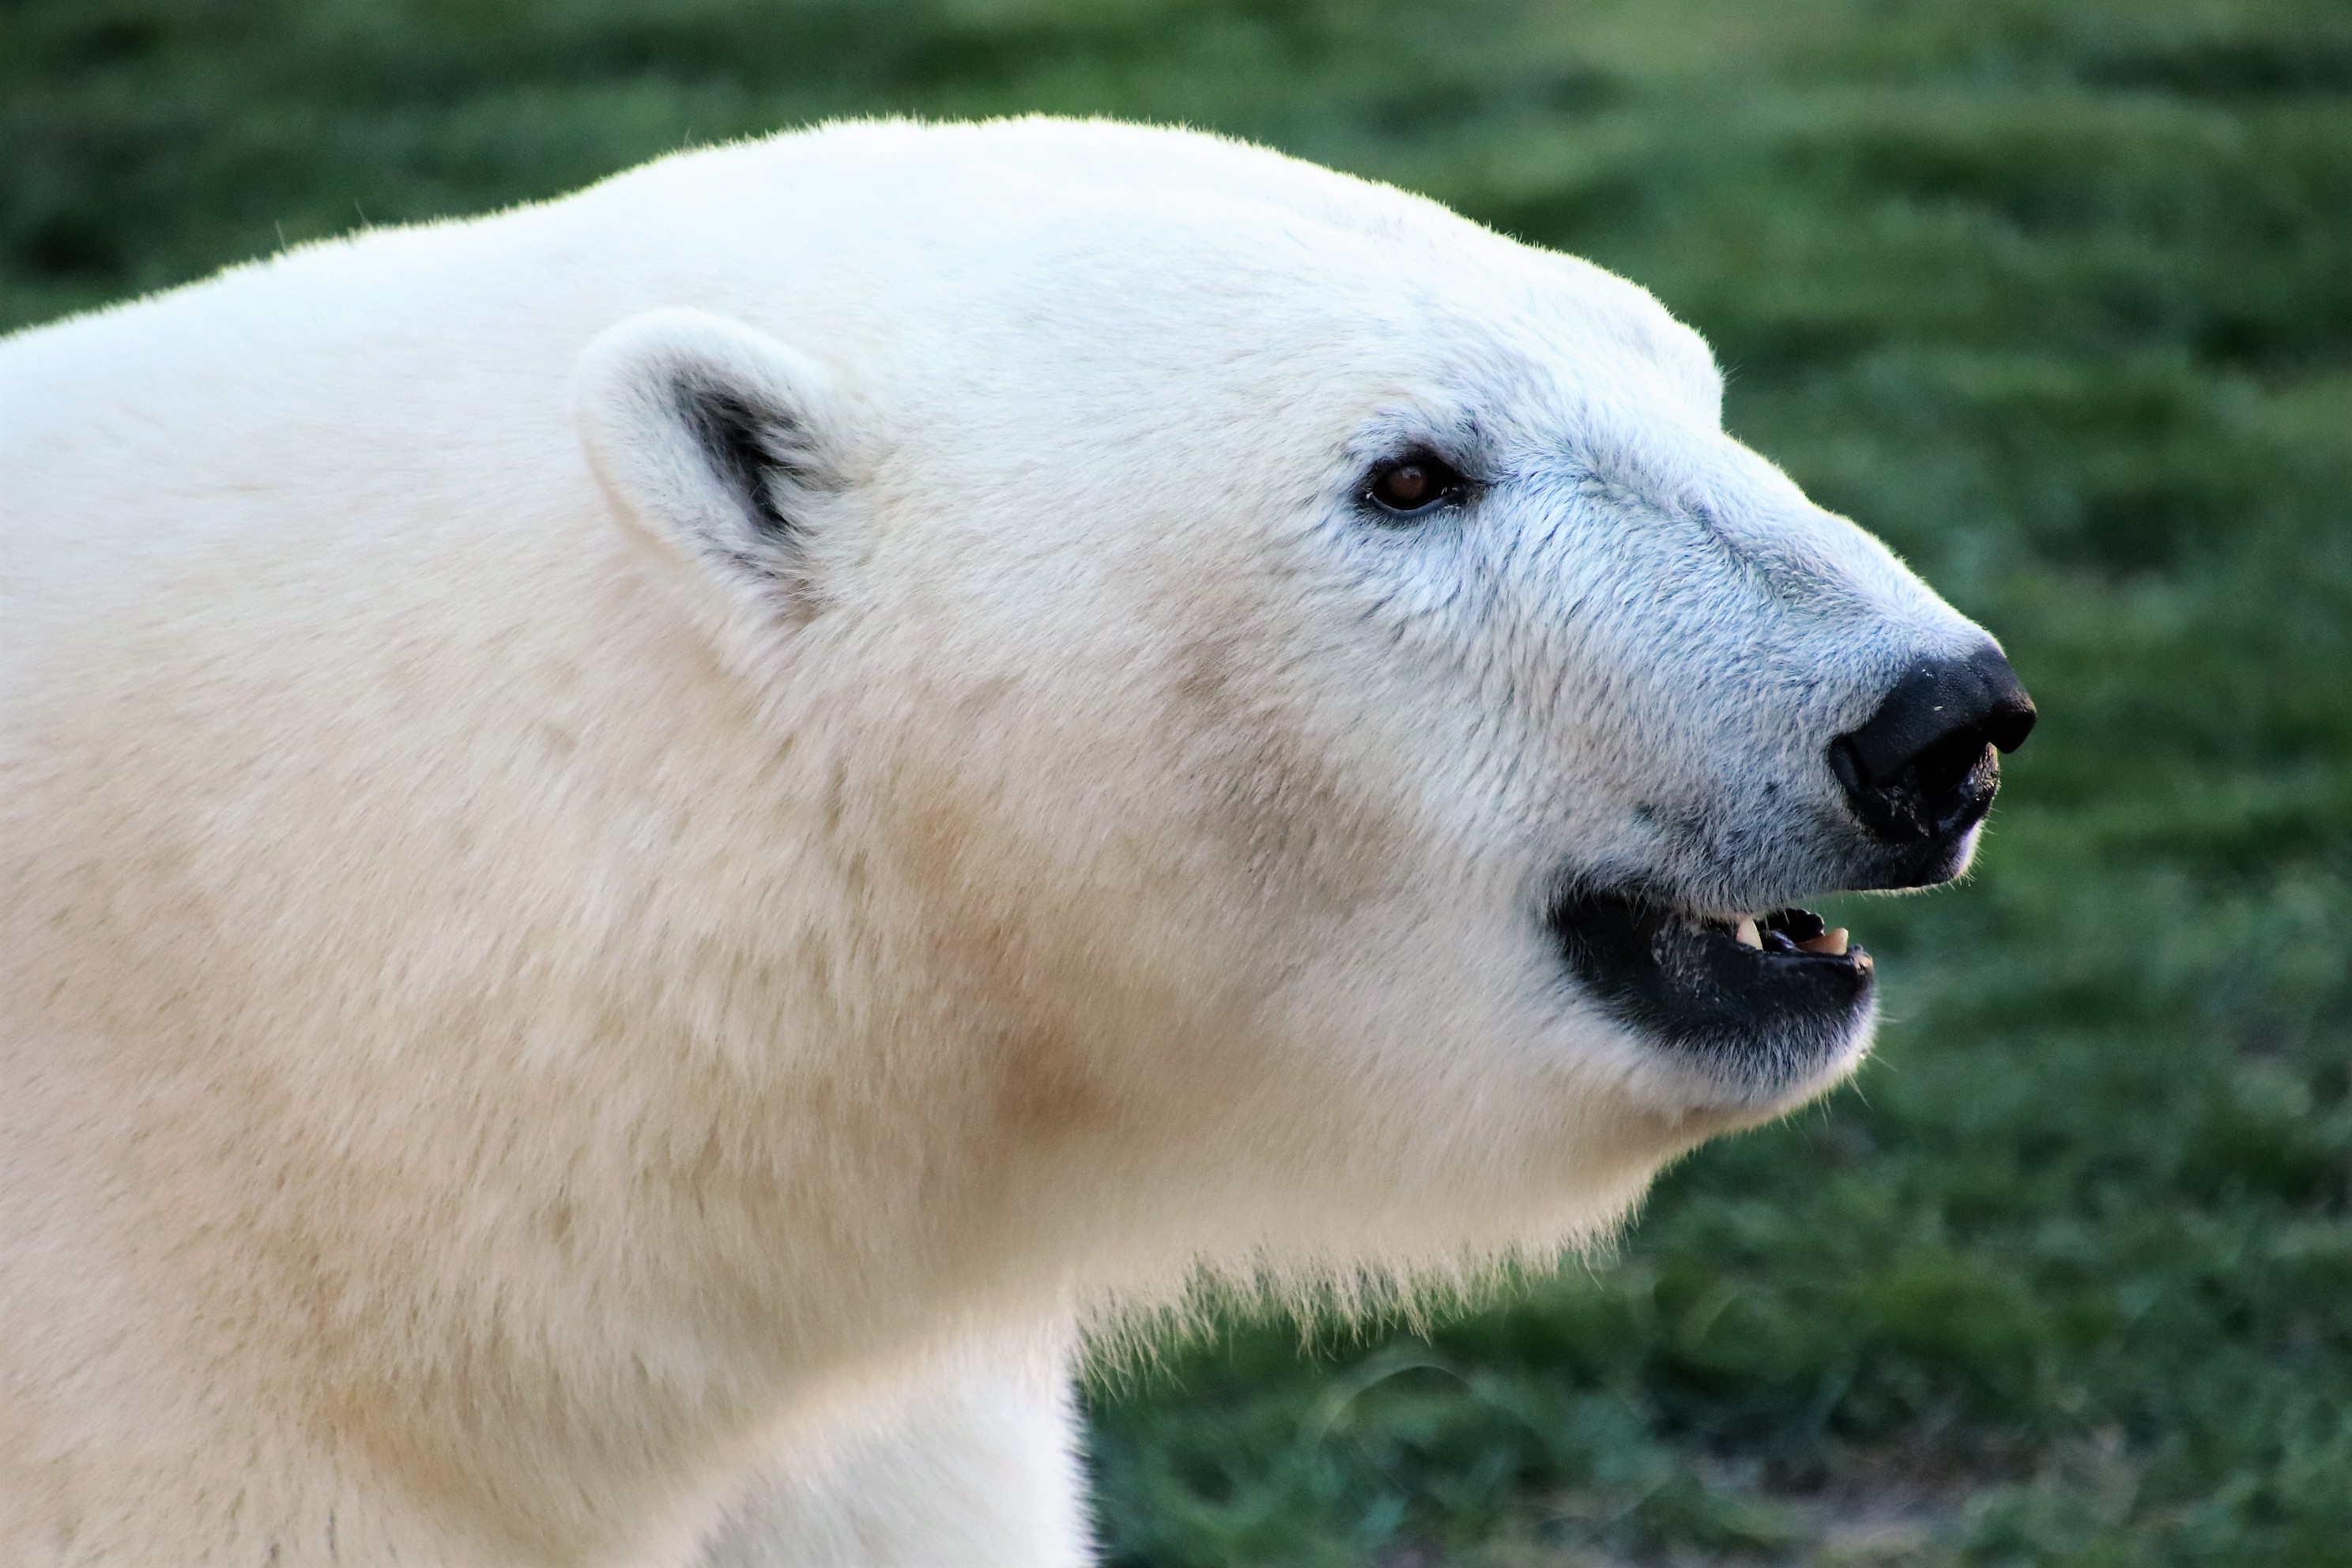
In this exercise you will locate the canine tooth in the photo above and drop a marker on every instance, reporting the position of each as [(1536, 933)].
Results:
[(1745, 934), (1832, 942)]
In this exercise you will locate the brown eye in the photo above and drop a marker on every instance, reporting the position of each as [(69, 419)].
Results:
[(1415, 485)]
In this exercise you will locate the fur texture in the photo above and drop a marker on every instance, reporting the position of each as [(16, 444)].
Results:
[(625, 821)]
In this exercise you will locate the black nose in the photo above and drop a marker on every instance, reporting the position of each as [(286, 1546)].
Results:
[(1923, 767)]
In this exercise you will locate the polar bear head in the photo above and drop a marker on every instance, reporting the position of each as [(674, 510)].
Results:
[(1308, 684)]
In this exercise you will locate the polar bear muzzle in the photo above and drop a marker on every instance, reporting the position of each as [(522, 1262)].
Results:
[(1770, 1001)]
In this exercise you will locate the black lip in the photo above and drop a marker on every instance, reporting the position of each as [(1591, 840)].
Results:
[(1770, 1018)]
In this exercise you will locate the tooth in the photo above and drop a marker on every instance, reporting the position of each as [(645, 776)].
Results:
[(1745, 934), (1829, 942)]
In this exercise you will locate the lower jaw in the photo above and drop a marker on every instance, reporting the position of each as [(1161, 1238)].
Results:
[(1761, 1023)]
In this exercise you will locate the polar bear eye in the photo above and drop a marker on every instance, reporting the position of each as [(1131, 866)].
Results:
[(1415, 484)]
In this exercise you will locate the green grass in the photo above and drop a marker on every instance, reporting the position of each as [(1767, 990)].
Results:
[(2058, 297)]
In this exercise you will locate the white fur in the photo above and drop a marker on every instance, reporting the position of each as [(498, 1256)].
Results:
[(528, 999)]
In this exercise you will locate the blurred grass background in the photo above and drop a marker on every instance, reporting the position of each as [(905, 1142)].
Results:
[(2058, 297)]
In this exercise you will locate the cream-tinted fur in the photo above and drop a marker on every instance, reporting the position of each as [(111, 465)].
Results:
[(533, 1001), (972, 1463)]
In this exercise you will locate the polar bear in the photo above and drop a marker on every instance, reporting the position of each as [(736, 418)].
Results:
[(653, 844)]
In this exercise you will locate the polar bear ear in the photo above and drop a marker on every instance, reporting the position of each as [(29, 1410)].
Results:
[(719, 442)]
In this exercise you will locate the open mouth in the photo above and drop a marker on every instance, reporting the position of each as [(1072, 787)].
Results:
[(1769, 998)]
